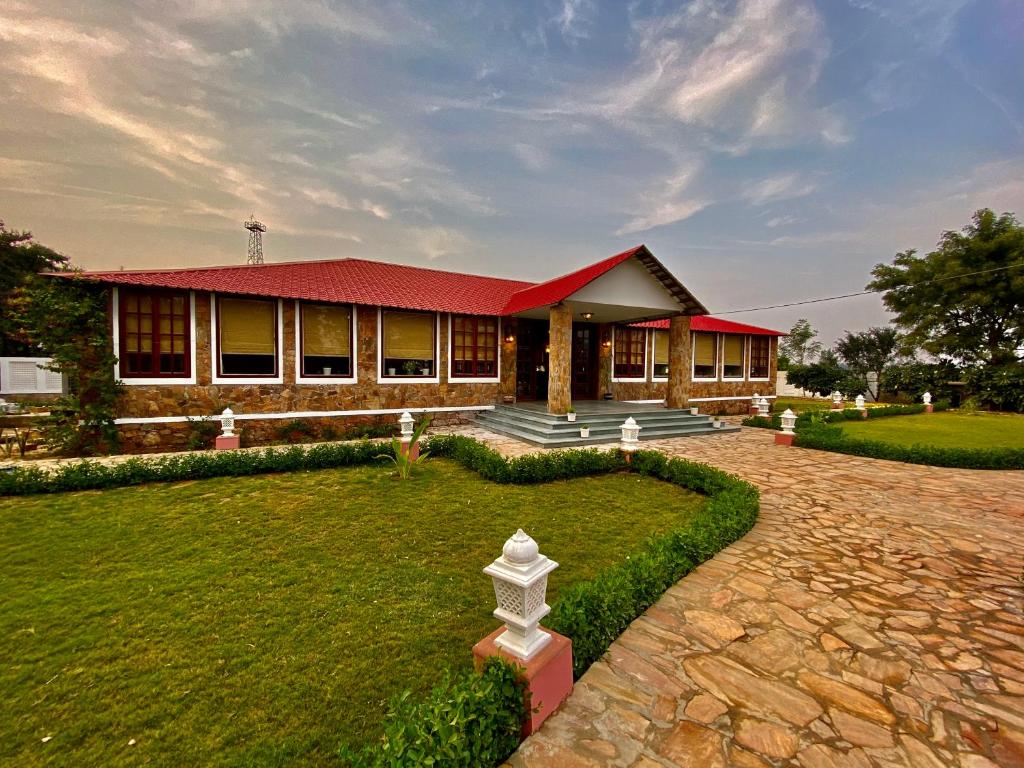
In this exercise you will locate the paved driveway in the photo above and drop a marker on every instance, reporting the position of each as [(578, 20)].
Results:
[(873, 617)]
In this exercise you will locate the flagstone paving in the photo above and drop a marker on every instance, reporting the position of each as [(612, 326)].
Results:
[(873, 617)]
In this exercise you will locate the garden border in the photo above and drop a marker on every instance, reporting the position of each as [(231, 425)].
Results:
[(474, 720)]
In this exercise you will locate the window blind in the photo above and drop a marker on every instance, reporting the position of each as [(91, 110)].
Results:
[(733, 350), (326, 331), (246, 327), (408, 336), (661, 347), (704, 349)]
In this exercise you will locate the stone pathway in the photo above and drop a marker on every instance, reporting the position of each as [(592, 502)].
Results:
[(873, 617)]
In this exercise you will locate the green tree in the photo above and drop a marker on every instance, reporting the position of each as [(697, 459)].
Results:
[(21, 258), (952, 302), (869, 352), (799, 347)]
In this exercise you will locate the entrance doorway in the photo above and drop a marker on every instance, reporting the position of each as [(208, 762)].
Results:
[(585, 364), (532, 360)]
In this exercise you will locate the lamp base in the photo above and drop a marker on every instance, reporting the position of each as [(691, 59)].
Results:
[(548, 674), (784, 438), (224, 443), (929, 408)]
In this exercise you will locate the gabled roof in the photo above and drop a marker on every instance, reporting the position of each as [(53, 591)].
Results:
[(714, 324), (355, 281), (561, 288)]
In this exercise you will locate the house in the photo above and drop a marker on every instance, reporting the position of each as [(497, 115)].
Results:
[(354, 339)]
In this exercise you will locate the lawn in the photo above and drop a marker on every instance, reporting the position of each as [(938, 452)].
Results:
[(266, 620), (800, 404), (948, 429)]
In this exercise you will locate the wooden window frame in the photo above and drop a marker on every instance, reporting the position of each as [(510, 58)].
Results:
[(303, 378), (122, 313), (635, 339), (743, 360), (767, 358), (385, 378), (474, 378), (219, 377)]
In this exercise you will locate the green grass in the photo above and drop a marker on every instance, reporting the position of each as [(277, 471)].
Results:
[(265, 620), (948, 429), (800, 404)]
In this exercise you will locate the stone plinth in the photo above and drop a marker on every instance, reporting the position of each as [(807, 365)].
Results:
[(225, 443), (678, 391), (929, 408), (784, 438), (560, 359), (548, 674)]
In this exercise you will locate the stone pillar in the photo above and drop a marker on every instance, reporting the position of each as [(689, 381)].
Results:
[(679, 356), (560, 359), (508, 351)]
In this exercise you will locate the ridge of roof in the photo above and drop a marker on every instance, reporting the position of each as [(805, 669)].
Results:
[(712, 323)]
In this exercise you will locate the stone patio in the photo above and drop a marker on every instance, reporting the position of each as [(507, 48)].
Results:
[(873, 617)]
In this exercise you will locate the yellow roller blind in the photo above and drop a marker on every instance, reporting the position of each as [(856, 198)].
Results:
[(246, 327), (326, 330), (704, 349), (661, 348), (733, 350), (408, 336)]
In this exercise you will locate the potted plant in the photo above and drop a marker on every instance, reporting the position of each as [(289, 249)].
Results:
[(570, 414), (584, 430), (409, 367)]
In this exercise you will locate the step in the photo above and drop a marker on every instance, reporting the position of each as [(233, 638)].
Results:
[(609, 426), (572, 439)]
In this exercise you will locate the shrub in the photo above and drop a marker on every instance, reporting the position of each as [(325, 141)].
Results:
[(467, 721), (998, 387)]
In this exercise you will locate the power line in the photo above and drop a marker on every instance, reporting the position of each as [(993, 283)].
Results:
[(865, 293)]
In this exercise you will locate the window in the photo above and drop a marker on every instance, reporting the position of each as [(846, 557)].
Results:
[(409, 344), (732, 356), (474, 346), (326, 334), (705, 356), (630, 357), (660, 354), (760, 354), (154, 330), (247, 337)]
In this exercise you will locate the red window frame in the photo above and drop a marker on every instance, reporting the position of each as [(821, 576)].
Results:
[(217, 298), (630, 353), (466, 359), (760, 356), (155, 315), (302, 341)]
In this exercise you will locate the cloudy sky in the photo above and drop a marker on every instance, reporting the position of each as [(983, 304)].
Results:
[(765, 150)]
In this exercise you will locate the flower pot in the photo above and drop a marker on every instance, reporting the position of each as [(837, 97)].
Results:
[(584, 431), (327, 371), (570, 417), (425, 371), (391, 371)]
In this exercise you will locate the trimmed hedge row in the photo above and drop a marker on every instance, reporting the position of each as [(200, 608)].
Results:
[(846, 414), (475, 720), (830, 438)]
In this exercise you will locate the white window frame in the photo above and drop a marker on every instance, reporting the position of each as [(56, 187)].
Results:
[(750, 358), (381, 378), (472, 379), (721, 358), (215, 344), (151, 380), (654, 332), (325, 380), (631, 379), (693, 357)]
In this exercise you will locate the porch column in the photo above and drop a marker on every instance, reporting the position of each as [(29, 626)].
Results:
[(560, 358), (679, 355)]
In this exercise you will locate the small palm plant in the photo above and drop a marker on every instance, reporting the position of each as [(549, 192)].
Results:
[(403, 460)]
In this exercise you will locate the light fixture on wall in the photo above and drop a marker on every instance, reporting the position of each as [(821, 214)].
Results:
[(606, 342), (587, 315), (509, 338)]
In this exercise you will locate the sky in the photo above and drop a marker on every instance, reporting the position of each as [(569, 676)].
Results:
[(766, 151)]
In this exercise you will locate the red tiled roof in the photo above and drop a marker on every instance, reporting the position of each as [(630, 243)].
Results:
[(715, 324), (354, 281)]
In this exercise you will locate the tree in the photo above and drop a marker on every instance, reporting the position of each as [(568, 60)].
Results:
[(21, 258), (870, 351), (799, 346), (952, 302)]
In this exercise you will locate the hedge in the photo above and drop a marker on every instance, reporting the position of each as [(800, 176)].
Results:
[(846, 414), (830, 438), (475, 720)]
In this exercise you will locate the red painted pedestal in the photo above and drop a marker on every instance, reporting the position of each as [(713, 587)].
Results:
[(753, 411), (929, 408), (228, 443), (781, 438), (413, 450), (548, 674)]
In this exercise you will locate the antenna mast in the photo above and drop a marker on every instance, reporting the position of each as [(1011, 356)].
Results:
[(256, 230)]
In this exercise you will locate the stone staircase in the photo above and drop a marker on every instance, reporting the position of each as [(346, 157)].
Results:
[(549, 431)]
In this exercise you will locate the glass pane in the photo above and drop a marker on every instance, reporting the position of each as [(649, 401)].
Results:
[(246, 327)]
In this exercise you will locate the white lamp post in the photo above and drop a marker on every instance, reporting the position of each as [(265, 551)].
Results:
[(520, 579), (859, 402), (837, 398), (227, 423), (630, 435), (763, 408), (788, 420), (926, 398), (405, 423)]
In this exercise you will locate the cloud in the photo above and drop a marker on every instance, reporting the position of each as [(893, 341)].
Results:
[(435, 242), (573, 19), (786, 186), (328, 198), (670, 203), (533, 158)]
